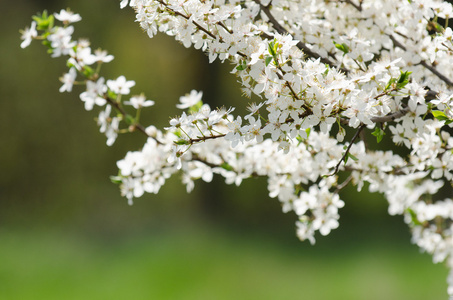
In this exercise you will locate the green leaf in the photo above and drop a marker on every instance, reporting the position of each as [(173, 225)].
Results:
[(268, 60), (413, 217), (272, 47), (378, 133), (47, 44), (342, 47), (177, 133), (349, 155), (182, 142), (195, 108), (403, 79), (299, 139), (226, 166), (87, 71), (390, 83), (111, 94), (116, 179), (439, 115), (43, 21), (354, 158), (241, 67), (129, 119)]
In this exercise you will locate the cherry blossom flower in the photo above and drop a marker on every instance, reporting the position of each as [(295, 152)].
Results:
[(93, 95), (68, 80), (139, 101), (120, 85), (102, 56), (189, 99), (67, 16), (28, 34)]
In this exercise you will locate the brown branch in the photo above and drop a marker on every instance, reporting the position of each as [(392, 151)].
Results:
[(282, 30), (356, 135), (423, 63), (437, 73), (343, 185), (400, 45), (121, 110), (305, 106), (385, 93), (201, 27), (205, 138), (197, 158), (358, 7), (391, 117), (395, 170)]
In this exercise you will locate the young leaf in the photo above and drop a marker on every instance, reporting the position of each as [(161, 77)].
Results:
[(272, 47), (349, 155), (226, 166), (354, 158), (182, 142), (342, 47), (413, 217), (111, 94), (439, 115), (87, 71), (129, 119), (242, 66), (116, 179), (379, 134), (43, 21), (196, 107), (390, 83), (403, 79)]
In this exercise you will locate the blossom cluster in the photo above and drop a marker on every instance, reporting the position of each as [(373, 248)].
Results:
[(327, 74)]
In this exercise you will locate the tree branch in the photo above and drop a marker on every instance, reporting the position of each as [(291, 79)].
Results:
[(343, 185), (400, 45), (391, 117), (201, 27), (424, 63), (282, 30), (121, 110), (356, 135), (205, 138)]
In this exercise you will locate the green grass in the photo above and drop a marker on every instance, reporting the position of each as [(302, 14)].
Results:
[(208, 264)]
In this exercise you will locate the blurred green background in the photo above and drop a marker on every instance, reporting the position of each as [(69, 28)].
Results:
[(66, 233)]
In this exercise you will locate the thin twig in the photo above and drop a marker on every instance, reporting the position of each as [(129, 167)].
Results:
[(204, 138), (356, 135), (343, 184), (358, 7), (282, 30), (121, 110), (400, 45), (437, 73), (423, 63), (201, 27), (305, 106)]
